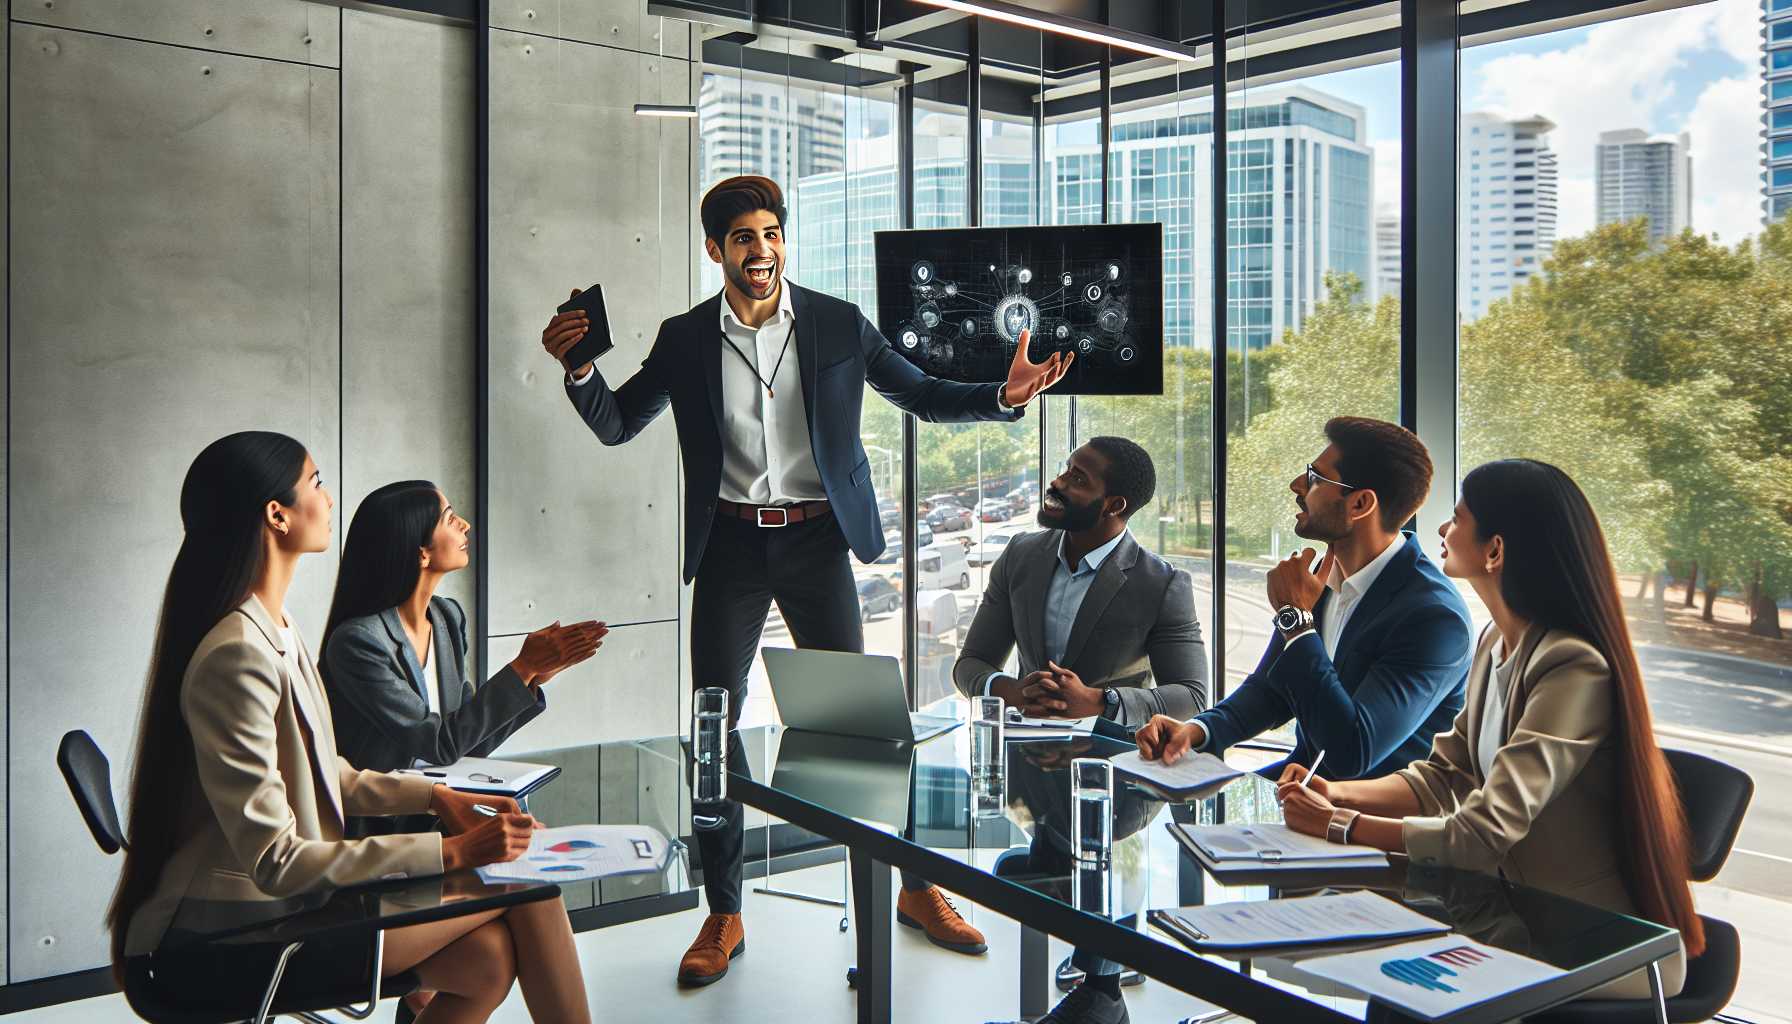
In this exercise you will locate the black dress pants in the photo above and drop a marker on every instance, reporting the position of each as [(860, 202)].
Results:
[(806, 568)]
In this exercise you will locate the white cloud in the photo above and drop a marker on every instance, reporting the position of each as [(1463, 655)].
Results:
[(1620, 76), (1726, 158)]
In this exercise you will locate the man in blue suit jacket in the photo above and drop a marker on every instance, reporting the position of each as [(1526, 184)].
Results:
[(765, 381), (1370, 654)]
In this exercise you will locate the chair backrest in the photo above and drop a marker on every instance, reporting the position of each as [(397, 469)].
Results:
[(89, 777), (1716, 796)]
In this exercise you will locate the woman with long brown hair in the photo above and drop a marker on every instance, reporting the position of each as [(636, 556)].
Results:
[(237, 792), (1551, 775)]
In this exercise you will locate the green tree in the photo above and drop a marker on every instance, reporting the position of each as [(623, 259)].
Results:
[(1344, 362)]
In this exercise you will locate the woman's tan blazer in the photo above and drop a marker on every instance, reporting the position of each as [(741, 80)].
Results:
[(1547, 812), (263, 814)]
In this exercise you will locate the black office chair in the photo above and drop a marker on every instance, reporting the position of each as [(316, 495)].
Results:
[(1716, 796), (89, 776)]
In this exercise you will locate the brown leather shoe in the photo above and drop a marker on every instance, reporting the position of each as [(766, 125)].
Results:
[(721, 939), (929, 910)]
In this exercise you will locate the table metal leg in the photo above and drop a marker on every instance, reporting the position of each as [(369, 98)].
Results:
[(873, 913), (1035, 973), (267, 998), (1656, 995)]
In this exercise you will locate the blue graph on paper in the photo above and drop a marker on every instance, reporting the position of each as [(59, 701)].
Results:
[(1421, 972)]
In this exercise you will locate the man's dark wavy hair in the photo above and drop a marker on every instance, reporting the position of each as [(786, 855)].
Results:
[(731, 197)]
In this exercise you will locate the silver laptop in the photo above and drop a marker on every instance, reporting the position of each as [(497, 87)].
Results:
[(868, 781), (846, 694)]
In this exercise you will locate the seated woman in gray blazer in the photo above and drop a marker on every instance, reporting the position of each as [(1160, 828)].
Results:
[(238, 793), (395, 654), (1550, 775)]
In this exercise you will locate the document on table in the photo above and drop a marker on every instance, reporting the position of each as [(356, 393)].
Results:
[(1433, 977), (1193, 772), (579, 853), (1310, 920), (485, 775), (1027, 727), (1271, 845)]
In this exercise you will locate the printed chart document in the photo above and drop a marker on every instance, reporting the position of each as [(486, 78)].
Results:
[(1192, 772), (1271, 845), (579, 853), (1433, 977), (484, 775), (1311, 920)]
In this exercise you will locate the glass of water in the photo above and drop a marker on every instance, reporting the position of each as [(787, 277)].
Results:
[(1091, 806), (709, 758), (988, 756)]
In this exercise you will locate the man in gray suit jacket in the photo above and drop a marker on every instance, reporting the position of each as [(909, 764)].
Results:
[(1103, 627)]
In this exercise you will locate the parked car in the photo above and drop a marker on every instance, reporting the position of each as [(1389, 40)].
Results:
[(942, 566), (991, 549), (949, 517), (878, 596), (994, 510), (888, 514), (1020, 500), (893, 543), (937, 500)]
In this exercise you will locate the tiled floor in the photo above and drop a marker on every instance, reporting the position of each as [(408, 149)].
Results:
[(794, 970)]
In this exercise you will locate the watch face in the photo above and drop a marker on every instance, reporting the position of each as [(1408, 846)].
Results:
[(1287, 619)]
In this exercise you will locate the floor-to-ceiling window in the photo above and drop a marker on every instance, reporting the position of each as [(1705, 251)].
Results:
[(1624, 313)]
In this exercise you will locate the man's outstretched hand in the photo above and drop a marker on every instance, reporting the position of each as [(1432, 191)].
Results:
[(1027, 378)]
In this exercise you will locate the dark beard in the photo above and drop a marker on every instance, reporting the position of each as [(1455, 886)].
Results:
[(1322, 529), (1073, 519)]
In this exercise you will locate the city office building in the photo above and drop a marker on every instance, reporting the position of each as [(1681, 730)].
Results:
[(1508, 206), (1387, 254), (1776, 107), (1641, 175)]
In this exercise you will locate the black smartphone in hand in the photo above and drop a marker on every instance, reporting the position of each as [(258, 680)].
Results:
[(597, 336)]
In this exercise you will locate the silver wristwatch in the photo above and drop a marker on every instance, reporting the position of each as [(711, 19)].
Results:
[(1291, 620)]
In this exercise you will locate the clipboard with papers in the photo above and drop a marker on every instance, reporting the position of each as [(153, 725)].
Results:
[(489, 777), (1323, 920), (1270, 846)]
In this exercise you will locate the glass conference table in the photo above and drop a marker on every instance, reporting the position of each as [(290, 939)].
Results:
[(912, 808)]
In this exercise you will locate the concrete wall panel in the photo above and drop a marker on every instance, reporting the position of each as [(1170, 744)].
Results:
[(583, 190), (620, 23), (408, 284), (180, 212), (625, 691), (307, 31)]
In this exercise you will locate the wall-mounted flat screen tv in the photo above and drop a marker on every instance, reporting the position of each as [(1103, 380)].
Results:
[(954, 301)]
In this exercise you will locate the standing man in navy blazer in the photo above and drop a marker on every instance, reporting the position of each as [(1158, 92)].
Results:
[(1371, 653), (765, 381)]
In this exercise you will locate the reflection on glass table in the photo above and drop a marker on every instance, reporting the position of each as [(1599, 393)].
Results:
[(917, 808)]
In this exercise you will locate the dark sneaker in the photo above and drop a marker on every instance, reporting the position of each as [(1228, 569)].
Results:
[(1085, 1005)]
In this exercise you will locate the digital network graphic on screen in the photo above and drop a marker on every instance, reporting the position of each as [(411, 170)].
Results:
[(954, 302)]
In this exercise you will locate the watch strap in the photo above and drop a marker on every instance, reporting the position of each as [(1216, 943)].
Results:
[(1338, 830)]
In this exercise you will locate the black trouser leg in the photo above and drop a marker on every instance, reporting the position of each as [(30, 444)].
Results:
[(729, 601)]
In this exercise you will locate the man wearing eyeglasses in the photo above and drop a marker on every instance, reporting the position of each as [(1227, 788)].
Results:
[(1369, 650)]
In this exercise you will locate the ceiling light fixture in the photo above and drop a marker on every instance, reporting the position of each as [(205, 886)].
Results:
[(666, 110), (1118, 37)]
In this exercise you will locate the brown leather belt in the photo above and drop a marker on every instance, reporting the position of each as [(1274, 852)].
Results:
[(775, 515)]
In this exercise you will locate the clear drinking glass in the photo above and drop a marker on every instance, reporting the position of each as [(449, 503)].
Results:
[(988, 756), (709, 757), (1091, 807)]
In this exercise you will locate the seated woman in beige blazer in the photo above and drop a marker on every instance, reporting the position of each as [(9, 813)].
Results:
[(1550, 776), (238, 793)]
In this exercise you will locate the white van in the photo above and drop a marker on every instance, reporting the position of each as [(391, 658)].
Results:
[(942, 566)]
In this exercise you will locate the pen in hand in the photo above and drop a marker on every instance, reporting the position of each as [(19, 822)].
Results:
[(1307, 777)]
